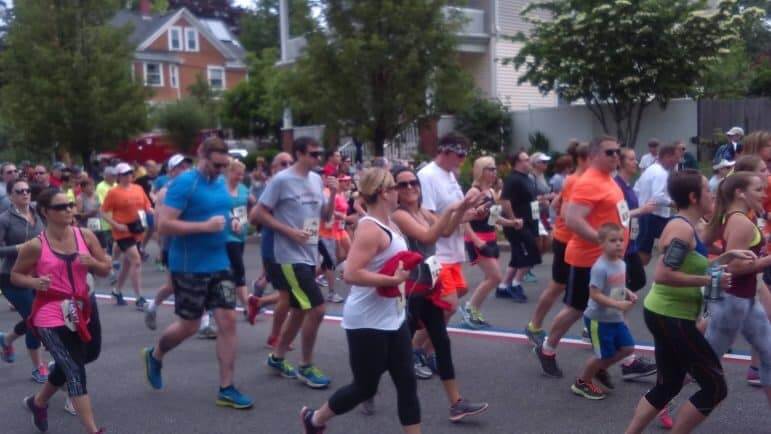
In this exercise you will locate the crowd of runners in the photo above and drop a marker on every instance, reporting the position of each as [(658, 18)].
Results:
[(400, 235)]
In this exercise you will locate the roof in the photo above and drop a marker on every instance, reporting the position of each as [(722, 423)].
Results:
[(142, 27)]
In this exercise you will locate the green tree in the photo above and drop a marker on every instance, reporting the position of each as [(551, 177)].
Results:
[(487, 123), (730, 75), (259, 26), (183, 120), (761, 81), (157, 6), (369, 70), (68, 81), (626, 54)]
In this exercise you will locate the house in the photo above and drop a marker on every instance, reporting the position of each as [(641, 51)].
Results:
[(174, 48)]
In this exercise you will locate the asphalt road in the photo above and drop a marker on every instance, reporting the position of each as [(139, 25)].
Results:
[(496, 367)]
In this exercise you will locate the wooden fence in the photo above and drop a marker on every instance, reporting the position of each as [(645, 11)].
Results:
[(751, 114)]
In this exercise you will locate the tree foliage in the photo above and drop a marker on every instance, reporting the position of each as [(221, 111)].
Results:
[(625, 54), (259, 28), (67, 77), (487, 123), (182, 121)]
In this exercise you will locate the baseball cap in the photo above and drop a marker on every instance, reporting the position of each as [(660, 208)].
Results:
[(176, 160), (539, 156), (123, 168), (723, 163), (735, 131), (110, 171)]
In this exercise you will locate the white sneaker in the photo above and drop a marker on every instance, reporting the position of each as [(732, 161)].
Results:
[(69, 408)]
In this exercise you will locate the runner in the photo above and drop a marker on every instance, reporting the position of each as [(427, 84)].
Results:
[(293, 205), (194, 214), (672, 306), (105, 232), (328, 231), (19, 224), (559, 269), (378, 335), (8, 174), (65, 313), (125, 208), (239, 194)]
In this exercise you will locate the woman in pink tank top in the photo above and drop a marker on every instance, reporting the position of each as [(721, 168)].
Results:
[(64, 313)]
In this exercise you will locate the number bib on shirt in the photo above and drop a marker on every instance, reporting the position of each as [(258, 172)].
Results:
[(311, 227), (634, 230), (535, 210), (239, 213), (142, 218), (623, 213), (495, 215), (433, 267), (94, 224)]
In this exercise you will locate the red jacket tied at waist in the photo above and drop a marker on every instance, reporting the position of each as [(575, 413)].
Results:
[(409, 261), (84, 314)]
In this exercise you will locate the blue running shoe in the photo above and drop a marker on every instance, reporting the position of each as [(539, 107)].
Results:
[(312, 377), (6, 351), (502, 292), (152, 369), (530, 277), (119, 301), (518, 294), (284, 368), (231, 397), (430, 360)]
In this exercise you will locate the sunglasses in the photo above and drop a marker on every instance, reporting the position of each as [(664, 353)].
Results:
[(285, 163), (315, 154), (612, 152), (220, 166), (62, 206), (403, 185), (22, 191)]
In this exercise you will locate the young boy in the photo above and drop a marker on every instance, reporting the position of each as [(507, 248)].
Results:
[(604, 316)]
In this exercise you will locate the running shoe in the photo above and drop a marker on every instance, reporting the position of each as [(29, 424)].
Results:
[(39, 414), (140, 304), (604, 379), (334, 297), (284, 368), (665, 417), (753, 376), (640, 367), (422, 371), (548, 363), (322, 281), (518, 294), (312, 377), (306, 416), (231, 397), (152, 369), (502, 292), (40, 375), (530, 277), (431, 362), (6, 351), (587, 390), (536, 337), (585, 336), (118, 298), (151, 316), (368, 407), (208, 332), (252, 309), (69, 407), (472, 317), (464, 408)]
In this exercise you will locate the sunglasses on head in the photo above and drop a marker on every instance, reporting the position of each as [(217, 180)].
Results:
[(22, 191), (612, 152), (62, 206), (402, 185)]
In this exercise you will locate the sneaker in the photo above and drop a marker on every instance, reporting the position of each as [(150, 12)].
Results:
[(272, 344), (368, 407), (231, 397), (536, 337), (548, 363), (39, 414), (518, 294), (585, 336), (753, 376), (322, 281), (430, 361), (334, 297), (530, 278), (152, 369), (472, 318), (140, 304), (637, 369), (502, 292), (40, 375), (119, 301), (665, 417), (69, 407), (306, 416), (282, 366), (6, 351), (312, 377), (208, 332), (604, 379), (422, 371), (587, 390), (151, 317), (464, 408), (252, 309)]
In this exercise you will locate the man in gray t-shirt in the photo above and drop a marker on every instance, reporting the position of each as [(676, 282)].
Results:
[(609, 276)]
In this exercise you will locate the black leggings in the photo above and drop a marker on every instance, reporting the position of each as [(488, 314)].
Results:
[(373, 352), (681, 349), (432, 318), (71, 354)]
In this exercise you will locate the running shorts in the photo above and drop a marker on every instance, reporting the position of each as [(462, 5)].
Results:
[(489, 250), (608, 337), (126, 243), (195, 293), (300, 280), (524, 249), (452, 281), (560, 270), (577, 289)]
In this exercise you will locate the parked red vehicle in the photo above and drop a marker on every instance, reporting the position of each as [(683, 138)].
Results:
[(153, 146)]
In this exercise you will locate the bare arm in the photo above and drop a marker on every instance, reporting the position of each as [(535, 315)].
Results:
[(425, 235), (21, 273), (739, 235), (677, 229), (264, 216), (575, 219), (367, 241), (596, 294), (102, 262)]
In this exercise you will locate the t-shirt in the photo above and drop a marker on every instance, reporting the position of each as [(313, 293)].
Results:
[(101, 191), (597, 191), (199, 199), (160, 182), (610, 277), (561, 231), (520, 190), (647, 160), (238, 210), (296, 201), (440, 189), (124, 203), (652, 186)]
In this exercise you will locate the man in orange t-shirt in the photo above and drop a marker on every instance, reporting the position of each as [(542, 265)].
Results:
[(596, 199), (126, 207)]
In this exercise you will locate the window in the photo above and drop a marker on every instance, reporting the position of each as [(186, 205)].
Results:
[(216, 77), (174, 76), (191, 39), (153, 74), (175, 39)]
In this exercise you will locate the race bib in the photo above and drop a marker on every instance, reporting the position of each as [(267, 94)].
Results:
[(400, 300), (495, 215), (94, 224), (239, 213), (433, 267), (70, 314), (311, 227), (618, 294), (634, 231), (142, 218), (535, 210), (623, 213)]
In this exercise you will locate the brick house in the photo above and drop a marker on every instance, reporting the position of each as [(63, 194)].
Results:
[(174, 48)]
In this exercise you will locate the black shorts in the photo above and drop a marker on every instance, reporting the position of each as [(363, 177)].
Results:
[(195, 293), (651, 227), (524, 250), (560, 270), (126, 243), (300, 280), (489, 250), (577, 289), (635, 272), (328, 252), (273, 274), (236, 256)]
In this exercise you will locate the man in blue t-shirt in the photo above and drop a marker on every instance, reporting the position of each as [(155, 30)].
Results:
[(194, 212)]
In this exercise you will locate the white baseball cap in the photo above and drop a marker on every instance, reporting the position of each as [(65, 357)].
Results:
[(735, 131), (723, 163), (176, 160), (123, 168), (539, 156)]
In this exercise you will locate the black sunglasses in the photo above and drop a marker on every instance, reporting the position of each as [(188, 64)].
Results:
[(404, 184), (62, 206), (611, 152), (315, 154), (22, 191), (220, 166)]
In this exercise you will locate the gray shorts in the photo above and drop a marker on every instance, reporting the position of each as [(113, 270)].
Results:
[(732, 315)]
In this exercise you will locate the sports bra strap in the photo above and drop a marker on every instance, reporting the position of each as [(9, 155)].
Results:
[(700, 247)]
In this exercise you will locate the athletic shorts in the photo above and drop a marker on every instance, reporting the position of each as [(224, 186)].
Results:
[(452, 281), (608, 337), (560, 270), (105, 239), (126, 243), (651, 227), (273, 274), (524, 249), (300, 280), (635, 272), (236, 256), (328, 252), (577, 289), (195, 293), (489, 250)]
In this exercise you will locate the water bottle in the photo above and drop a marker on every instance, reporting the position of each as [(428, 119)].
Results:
[(713, 291)]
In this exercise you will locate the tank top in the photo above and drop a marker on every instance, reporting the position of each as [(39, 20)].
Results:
[(480, 224), (364, 308), (678, 301), (745, 285), (421, 274)]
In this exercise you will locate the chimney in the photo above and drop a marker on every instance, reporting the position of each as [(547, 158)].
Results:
[(144, 7)]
